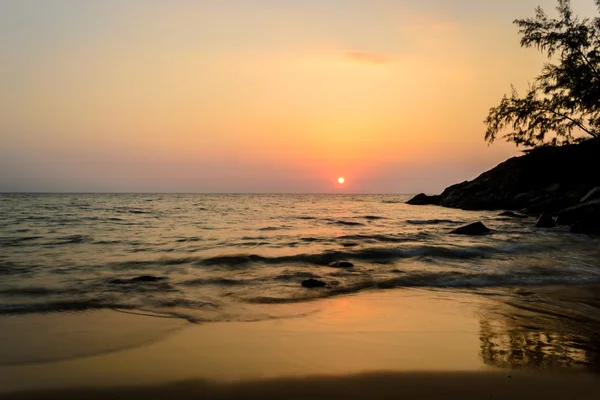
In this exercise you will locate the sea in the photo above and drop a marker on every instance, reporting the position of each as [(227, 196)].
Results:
[(203, 256), (235, 257)]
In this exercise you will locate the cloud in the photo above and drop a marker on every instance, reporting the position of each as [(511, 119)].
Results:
[(369, 58)]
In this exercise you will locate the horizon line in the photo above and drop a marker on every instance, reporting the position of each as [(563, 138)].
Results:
[(216, 193)]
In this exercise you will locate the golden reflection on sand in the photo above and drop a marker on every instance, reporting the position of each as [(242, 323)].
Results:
[(396, 330)]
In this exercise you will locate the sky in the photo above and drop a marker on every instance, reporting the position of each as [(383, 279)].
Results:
[(256, 95)]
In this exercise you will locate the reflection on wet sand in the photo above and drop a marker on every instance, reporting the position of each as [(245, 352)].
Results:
[(546, 328), (402, 331)]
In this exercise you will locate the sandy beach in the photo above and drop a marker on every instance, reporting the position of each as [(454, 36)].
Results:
[(409, 343)]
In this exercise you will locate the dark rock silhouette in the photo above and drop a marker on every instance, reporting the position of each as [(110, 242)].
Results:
[(341, 264), (545, 221), (511, 214), (424, 200), (313, 283), (476, 228), (547, 179)]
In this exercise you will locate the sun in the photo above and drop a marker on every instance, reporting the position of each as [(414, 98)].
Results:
[(341, 180)]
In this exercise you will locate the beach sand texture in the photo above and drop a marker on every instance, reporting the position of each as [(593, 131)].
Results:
[(392, 344)]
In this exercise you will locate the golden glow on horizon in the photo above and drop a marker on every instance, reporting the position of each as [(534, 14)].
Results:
[(341, 180)]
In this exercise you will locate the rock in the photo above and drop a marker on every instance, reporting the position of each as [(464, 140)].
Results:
[(341, 264), (511, 214), (591, 195), (545, 220), (424, 200), (553, 204), (313, 283), (546, 179), (138, 279), (588, 213), (476, 228)]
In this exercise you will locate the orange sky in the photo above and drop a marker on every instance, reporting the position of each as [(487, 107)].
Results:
[(261, 96)]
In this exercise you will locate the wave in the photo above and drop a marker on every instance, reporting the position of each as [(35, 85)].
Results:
[(294, 276), (144, 264), (344, 223), (72, 239), (123, 210), (143, 279), (378, 238), (273, 228), (161, 309), (10, 268), (312, 239), (214, 282), (17, 241), (38, 291), (60, 306), (434, 280), (433, 222), (189, 239), (382, 255)]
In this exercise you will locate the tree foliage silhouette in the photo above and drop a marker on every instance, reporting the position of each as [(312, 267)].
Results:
[(562, 105)]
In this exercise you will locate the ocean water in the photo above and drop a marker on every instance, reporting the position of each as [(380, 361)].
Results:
[(236, 257), (215, 258)]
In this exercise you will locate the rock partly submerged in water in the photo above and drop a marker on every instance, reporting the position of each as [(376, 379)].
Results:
[(473, 229), (313, 283), (137, 279), (424, 200), (545, 221), (341, 264)]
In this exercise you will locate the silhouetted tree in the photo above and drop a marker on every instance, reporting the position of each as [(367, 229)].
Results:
[(562, 106)]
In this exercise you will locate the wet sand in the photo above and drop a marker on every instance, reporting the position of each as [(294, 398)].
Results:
[(429, 344)]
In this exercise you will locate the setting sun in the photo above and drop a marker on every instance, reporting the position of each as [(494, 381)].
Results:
[(341, 180)]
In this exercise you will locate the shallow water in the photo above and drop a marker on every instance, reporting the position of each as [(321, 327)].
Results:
[(212, 257)]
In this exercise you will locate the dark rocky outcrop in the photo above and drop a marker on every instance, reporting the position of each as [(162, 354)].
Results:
[(341, 264), (547, 179), (510, 214), (550, 181), (424, 200), (545, 221), (476, 228), (313, 283)]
